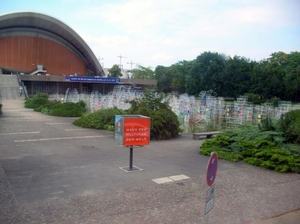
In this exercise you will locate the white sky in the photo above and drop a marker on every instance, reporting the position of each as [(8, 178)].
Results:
[(164, 32)]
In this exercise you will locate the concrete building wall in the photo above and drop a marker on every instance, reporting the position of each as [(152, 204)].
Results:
[(26, 52)]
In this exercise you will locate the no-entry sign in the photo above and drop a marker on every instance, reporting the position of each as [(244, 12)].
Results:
[(211, 171)]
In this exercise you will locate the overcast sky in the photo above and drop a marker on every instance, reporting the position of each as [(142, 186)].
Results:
[(164, 32)]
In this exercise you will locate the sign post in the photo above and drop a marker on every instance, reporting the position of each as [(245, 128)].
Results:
[(132, 131), (211, 173), (211, 170)]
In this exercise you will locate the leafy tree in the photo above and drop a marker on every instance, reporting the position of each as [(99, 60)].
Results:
[(268, 80), (237, 76), (142, 73), (276, 77), (115, 71), (292, 80), (162, 75), (178, 73), (206, 73)]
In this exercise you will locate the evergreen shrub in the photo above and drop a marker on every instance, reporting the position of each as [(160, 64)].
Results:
[(274, 101), (164, 122), (82, 105), (40, 103), (67, 109), (290, 126), (254, 98), (100, 119), (267, 124), (38, 100), (47, 105), (253, 146)]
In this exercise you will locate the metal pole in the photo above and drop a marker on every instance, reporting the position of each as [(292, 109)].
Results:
[(130, 158), (206, 218)]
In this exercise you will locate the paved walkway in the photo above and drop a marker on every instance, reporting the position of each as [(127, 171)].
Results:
[(54, 172)]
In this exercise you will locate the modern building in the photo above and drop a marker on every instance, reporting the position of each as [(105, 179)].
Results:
[(46, 53)]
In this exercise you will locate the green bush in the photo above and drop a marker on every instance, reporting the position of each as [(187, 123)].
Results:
[(267, 124), (100, 119), (164, 122), (274, 101), (0, 108), (38, 100), (47, 105), (254, 98), (290, 126), (67, 109), (82, 105), (35, 102), (42, 95), (259, 148)]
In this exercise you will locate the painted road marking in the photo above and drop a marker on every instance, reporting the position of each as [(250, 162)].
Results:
[(164, 180), (58, 192), (21, 133), (28, 120), (57, 123), (61, 138), (13, 118), (16, 120)]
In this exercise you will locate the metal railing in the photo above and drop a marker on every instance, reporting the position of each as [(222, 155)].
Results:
[(21, 84)]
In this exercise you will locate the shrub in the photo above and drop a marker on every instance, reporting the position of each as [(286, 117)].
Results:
[(274, 101), (164, 122), (255, 147), (100, 119), (67, 109), (35, 102), (42, 95), (38, 100), (47, 105), (254, 98), (267, 124), (290, 126), (82, 105), (0, 108)]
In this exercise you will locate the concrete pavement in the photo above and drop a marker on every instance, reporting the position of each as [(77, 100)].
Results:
[(54, 172)]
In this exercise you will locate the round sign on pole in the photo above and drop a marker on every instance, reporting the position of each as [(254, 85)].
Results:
[(211, 171)]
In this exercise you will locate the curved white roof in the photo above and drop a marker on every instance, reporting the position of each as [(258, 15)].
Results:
[(38, 24)]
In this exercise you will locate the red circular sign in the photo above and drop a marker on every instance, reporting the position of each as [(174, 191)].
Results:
[(211, 171)]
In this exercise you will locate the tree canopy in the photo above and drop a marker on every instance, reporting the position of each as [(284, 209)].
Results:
[(115, 71), (277, 76), (142, 73)]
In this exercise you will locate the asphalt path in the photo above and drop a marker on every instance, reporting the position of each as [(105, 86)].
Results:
[(56, 172)]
